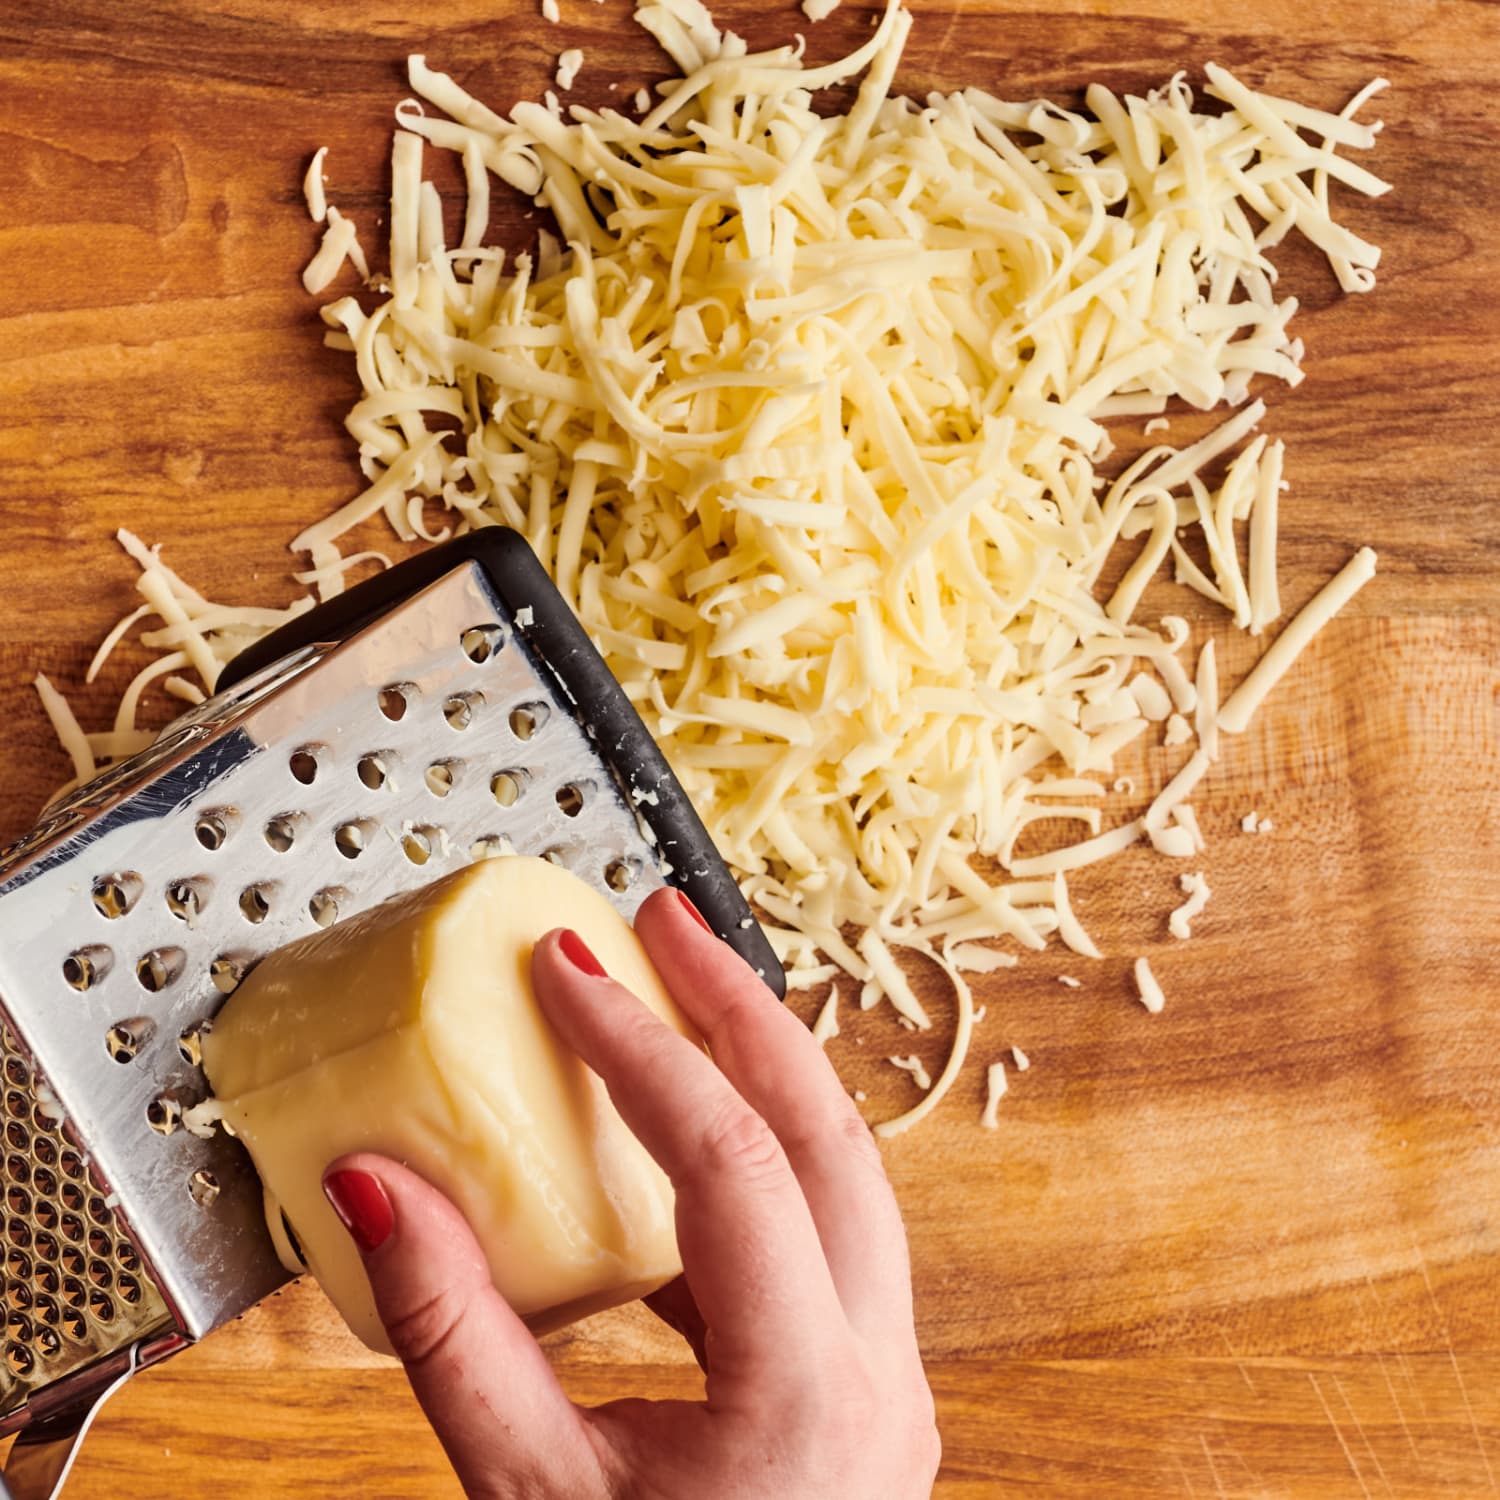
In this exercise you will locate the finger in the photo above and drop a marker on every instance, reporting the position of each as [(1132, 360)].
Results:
[(674, 1305), (749, 1248), (785, 1076), (478, 1373)]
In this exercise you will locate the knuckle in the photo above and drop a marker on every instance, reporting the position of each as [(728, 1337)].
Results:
[(419, 1333), (737, 1141)]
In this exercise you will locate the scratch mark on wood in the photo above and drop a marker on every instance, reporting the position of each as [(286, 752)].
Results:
[(1338, 1385), (1213, 1469), (1458, 1374), (1187, 1479), (1390, 1386), (1338, 1433), (1239, 1364)]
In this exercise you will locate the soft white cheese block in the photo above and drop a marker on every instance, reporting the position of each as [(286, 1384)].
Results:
[(413, 1030)]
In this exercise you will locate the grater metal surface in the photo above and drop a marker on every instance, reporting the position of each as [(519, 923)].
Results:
[(336, 775)]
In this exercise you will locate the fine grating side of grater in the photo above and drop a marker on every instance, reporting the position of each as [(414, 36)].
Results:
[(451, 709)]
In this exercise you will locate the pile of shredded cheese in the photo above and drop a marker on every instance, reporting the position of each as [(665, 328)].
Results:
[(805, 413)]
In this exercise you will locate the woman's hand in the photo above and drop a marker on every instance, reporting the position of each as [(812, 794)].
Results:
[(796, 1294)]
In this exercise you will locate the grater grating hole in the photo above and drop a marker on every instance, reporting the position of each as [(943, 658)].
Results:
[(489, 846), (17, 1264), (164, 1115), (372, 770), (46, 1151), (159, 968), (395, 699), (100, 1307), (17, 1073), (226, 973), (17, 1169), (18, 1296), (555, 856), (98, 1243), (72, 1227), (98, 1209), (19, 1234), (507, 786), (17, 1135), (123, 1040), (125, 1254), (304, 765), (212, 830), (203, 1187), (114, 895), (100, 1274), (416, 845), (71, 1195), (74, 1325), (352, 839), (46, 1214), (281, 832), (570, 799), (19, 1361), (441, 777), (527, 720), (255, 903), (82, 970), (18, 1327), (128, 1289), (72, 1260), (481, 642), (324, 908), (48, 1342), (190, 1041), (186, 900), (460, 708), (47, 1312), (17, 1199)]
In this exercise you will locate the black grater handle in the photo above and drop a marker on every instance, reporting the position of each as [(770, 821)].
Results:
[(563, 647)]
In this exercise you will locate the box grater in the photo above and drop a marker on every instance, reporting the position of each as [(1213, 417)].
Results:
[(450, 709)]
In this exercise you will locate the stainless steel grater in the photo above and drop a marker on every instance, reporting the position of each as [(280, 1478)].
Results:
[(450, 709)]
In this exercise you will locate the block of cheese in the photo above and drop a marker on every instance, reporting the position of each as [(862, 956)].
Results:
[(413, 1030)]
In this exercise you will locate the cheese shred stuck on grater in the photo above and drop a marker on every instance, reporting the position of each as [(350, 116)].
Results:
[(448, 710)]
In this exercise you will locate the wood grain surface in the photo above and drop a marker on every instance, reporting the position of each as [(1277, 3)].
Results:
[(1250, 1247)]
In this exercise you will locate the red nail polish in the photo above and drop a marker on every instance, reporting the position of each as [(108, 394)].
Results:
[(694, 913), (577, 953), (360, 1201)]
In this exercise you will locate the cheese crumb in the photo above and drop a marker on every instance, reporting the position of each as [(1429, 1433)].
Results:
[(819, 10), (826, 1027), (312, 187), (550, 11), (1178, 731), (1250, 823), (995, 1091), (1021, 1060), (913, 1065), (1147, 987), (1069, 981), (567, 67), (1180, 921)]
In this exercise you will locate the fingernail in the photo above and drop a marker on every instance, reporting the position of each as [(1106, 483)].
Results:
[(694, 913), (360, 1201), (577, 953)]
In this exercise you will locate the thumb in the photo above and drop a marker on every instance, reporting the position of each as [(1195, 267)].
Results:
[(474, 1366)]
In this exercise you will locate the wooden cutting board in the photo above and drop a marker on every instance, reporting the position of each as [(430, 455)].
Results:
[(1250, 1247)]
